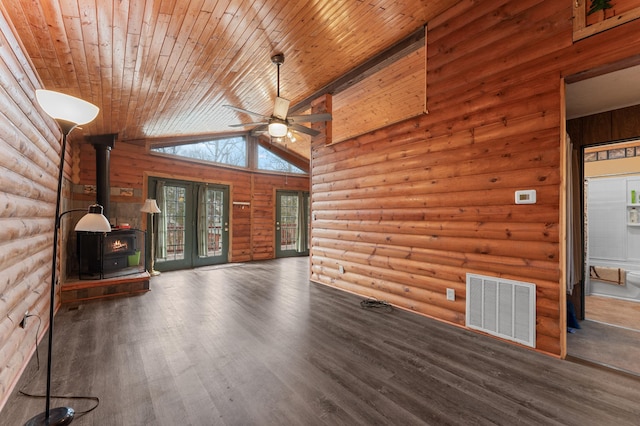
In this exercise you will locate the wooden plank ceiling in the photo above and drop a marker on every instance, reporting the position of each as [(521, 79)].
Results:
[(165, 68)]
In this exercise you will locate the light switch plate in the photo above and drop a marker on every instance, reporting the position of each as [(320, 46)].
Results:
[(451, 294)]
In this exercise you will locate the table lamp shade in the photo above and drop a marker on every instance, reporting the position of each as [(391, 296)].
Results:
[(150, 206)]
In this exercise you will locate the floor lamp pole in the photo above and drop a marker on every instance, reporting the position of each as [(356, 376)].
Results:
[(153, 249), (59, 415), (150, 207), (68, 112)]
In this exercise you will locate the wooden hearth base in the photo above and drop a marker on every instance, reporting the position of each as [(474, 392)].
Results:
[(82, 290)]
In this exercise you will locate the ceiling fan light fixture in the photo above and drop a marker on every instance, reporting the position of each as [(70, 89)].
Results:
[(277, 129)]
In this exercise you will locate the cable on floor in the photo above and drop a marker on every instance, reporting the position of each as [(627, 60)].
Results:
[(376, 304), (30, 395), (77, 413)]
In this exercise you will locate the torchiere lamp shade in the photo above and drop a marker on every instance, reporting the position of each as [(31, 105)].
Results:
[(67, 108)]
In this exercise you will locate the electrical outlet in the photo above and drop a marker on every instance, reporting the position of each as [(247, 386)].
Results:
[(23, 323), (451, 294), (341, 269)]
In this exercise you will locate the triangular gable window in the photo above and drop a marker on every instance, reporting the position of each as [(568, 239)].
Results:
[(267, 160)]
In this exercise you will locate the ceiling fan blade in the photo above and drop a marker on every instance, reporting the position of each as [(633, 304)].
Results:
[(302, 129), (260, 129), (246, 111), (248, 124), (281, 108), (311, 118)]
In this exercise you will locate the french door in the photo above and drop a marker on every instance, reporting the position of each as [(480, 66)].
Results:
[(192, 228), (292, 223)]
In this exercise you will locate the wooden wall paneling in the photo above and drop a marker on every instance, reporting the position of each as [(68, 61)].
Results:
[(252, 232), (597, 128), (625, 123), (415, 173), (501, 42), (524, 231), (394, 93), (29, 148), (536, 250), (616, 125), (507, 267), (574, 129), (470, 213), (585, 25), (420, 203)]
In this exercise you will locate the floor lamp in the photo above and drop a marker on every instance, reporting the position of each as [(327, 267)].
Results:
[(150, 206), (68, 112)]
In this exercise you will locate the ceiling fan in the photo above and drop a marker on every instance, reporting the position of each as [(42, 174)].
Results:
[(278, 125)]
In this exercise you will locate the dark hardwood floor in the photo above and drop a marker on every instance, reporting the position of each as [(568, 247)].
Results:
[(257, 344)]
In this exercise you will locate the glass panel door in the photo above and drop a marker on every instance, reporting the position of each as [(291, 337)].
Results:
[(172, 248), (213, 225), (192, 227), (292, 223)]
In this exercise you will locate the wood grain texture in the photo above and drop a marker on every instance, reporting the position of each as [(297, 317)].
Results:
[(493, 127), (257, 344), (160, 69), (252, 230), (29, 152), (393, 94)]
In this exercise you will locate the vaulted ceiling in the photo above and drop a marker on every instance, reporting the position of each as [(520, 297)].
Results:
[(165, 68)]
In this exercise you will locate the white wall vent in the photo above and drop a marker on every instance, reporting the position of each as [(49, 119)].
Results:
[(504, 308)]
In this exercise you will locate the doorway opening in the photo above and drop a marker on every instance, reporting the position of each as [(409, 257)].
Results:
[(606, 140)]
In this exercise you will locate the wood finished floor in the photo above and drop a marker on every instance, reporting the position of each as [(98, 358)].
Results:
[(257, 344), (623, 313), (610, 334)]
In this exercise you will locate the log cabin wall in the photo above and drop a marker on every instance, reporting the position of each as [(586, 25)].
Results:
[(29, 159), (409, 209), (252, 231)]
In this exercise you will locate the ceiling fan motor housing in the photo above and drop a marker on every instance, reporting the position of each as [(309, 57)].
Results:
[(278, 124), (278, 58)]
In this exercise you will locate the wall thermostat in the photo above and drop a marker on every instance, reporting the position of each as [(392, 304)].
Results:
[(527, 196)]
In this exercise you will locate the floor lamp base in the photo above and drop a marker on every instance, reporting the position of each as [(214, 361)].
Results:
[(57, 417), (153, 273)]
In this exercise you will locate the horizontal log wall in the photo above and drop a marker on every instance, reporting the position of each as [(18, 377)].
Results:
[(29, 160), (252, 227), (409, 209)]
